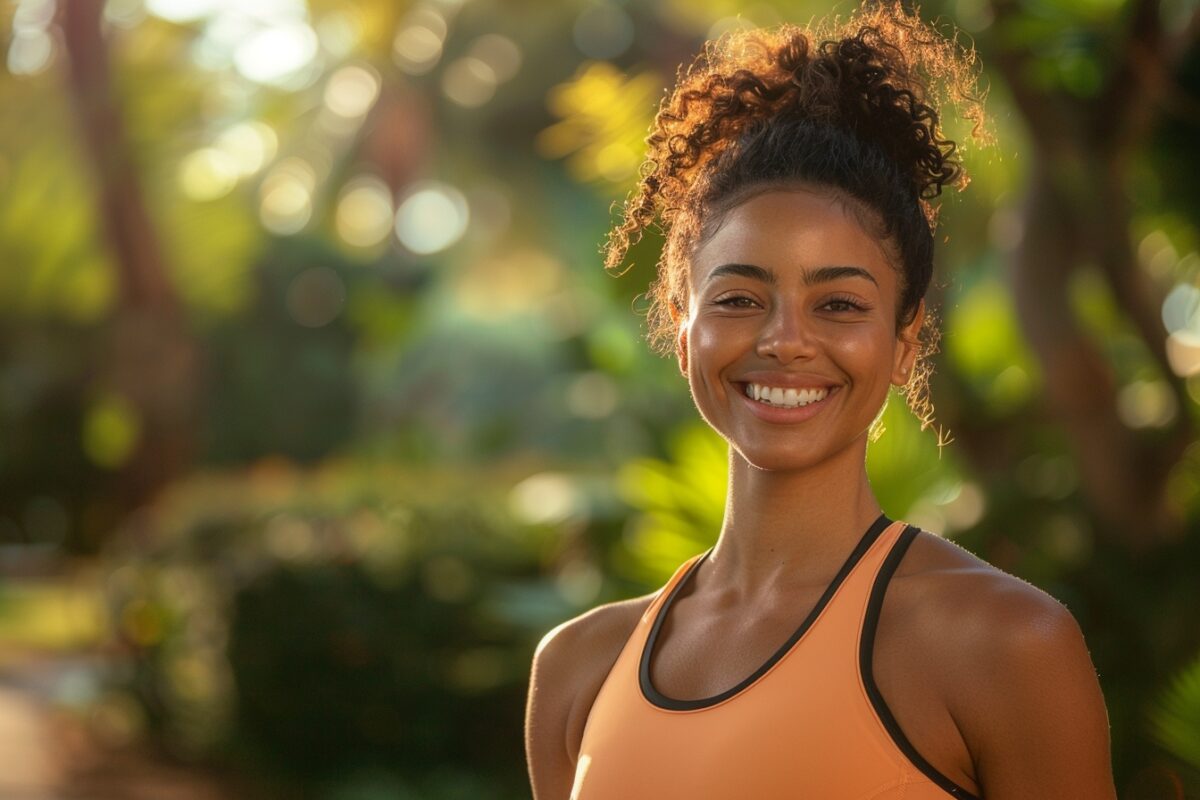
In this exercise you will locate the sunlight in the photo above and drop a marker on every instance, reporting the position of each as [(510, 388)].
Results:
[(351, 91), (276, 54), (286, 197), (544, 498), (432, 217), (249, 146), (418, 43), (469, 82), (364, 212), (207, 174)]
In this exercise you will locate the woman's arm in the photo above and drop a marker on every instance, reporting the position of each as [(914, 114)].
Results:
[(1031, 708), (547, 710), (569, 667)]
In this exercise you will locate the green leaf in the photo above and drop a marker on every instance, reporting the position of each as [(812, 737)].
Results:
[(1175, 719)]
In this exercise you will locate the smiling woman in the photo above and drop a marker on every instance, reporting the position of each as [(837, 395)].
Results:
[(791, 295), (819, 648)]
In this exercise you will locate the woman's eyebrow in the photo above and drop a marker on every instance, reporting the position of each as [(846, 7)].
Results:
[(810, 277), (824, 274)]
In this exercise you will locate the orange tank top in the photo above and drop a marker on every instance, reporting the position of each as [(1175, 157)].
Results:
[(809, 723)]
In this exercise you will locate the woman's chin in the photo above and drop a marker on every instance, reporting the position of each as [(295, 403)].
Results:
[(777, 459)]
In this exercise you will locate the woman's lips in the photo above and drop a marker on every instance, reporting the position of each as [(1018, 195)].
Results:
[(780, 415)]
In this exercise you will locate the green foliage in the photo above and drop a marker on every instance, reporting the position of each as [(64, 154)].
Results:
[(906, 467), (54, 265), (277, 386), (987, 349), (1176, 716), (346, 621), (681, 503)]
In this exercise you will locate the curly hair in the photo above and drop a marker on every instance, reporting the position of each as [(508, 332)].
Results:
[(843, 108)]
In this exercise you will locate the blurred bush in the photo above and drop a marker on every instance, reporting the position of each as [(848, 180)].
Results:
[(349, 627)]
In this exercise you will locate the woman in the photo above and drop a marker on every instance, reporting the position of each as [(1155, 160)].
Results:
[(819, 649)]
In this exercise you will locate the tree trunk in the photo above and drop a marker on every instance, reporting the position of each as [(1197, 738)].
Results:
[(1076, 215), (147, 354)]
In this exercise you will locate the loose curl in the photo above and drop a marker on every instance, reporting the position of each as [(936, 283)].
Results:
[(851, 116)]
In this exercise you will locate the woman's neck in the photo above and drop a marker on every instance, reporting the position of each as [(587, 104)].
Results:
[(786, 529)]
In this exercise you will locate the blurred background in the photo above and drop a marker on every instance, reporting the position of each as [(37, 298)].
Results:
[(317, 408)]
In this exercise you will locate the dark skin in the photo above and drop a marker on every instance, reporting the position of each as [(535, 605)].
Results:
[(988, 676)]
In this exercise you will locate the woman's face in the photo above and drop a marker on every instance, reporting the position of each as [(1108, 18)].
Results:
[(792, 298)]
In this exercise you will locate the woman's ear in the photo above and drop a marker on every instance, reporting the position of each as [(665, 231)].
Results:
[(681, 351), (681, 322), (908, 347)]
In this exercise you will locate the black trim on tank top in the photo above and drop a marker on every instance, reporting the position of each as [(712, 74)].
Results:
[(866, 656), (670, 703)]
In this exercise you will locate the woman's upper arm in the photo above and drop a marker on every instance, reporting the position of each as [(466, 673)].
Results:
[(547, 711), (1035, 719), (569, 667)]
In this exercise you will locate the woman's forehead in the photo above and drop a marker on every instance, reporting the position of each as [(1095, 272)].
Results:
[(788, 230)]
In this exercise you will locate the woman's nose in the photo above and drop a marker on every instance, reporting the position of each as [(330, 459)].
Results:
[(787, 335)]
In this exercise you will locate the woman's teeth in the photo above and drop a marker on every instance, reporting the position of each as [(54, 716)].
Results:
[(788, 398)]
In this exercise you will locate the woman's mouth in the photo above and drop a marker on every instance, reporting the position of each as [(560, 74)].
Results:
[(785, 398), (785, 405)]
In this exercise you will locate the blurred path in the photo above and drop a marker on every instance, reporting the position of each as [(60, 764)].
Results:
[(46, 754), (27, 770), (49, 748)]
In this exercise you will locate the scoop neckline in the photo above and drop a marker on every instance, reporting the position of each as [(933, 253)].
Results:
[(657, 698)]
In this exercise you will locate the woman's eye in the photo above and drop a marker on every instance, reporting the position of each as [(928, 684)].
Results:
[(845, 305), (733, 301)]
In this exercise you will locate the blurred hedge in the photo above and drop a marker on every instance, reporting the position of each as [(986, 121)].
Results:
[(354, 631)]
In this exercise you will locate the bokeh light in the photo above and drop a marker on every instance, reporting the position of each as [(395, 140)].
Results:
[(31, 15), (207, 174), (315, 297), (276, 54), (1146, 404), (340, 32), (1157, 255), (352, 90), (364, 212), (603, 30), (1181, 317), (1183, 353), (111, 429), (183, 10), (592, 395), (249, 145), (286, 196), (545, 498), (500, 53), (417, 47), (431, 217), (30, 52), (469, 81), (33, 46), (1181, 309)]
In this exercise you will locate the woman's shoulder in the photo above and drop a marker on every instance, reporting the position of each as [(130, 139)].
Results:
[(1008, 659), (602, 631), (973, 606), (974, 620), (595, 632), (569, 666)]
